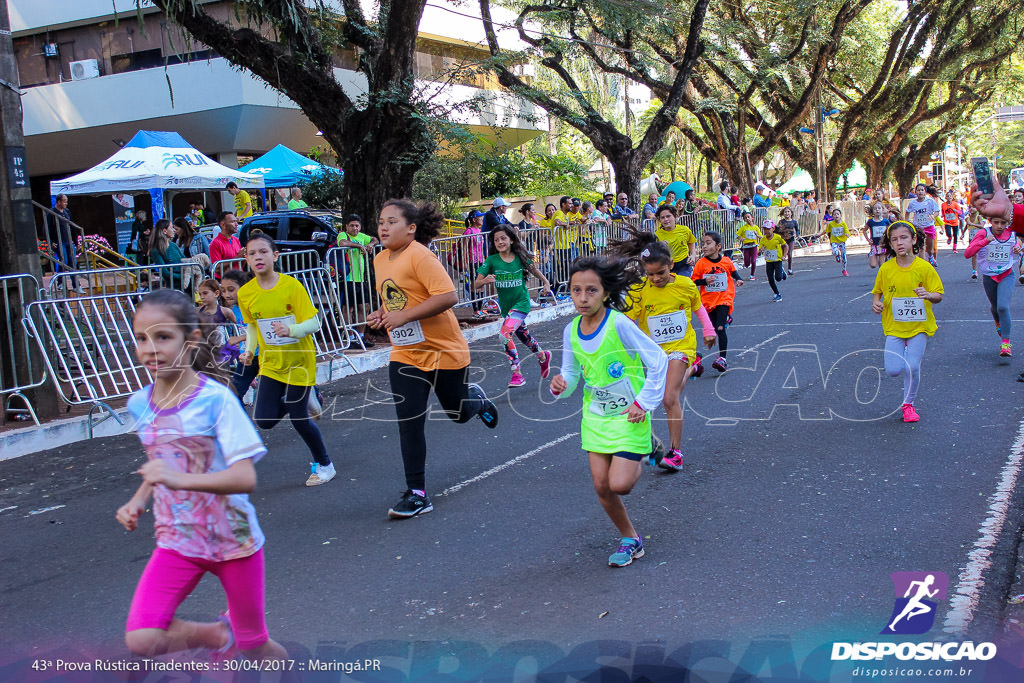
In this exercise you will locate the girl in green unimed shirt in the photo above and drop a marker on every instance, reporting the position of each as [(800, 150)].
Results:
[(506, 269)]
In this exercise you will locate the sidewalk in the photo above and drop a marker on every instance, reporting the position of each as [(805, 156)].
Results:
[(18, 442)]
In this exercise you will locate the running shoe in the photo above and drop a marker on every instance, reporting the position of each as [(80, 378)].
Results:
[(948, 241), (728, 320), (544, 358), (790, 271), (720, 364), (751, 278), (479, 315), (315, 404), (1004, 350), (658, 451), (974, 275), (629, 549), (672, 462), (410, 505), (488, 412), (783, 276), (778, 297), (321, 474), (845, 274), (909, 414), (517, 379), (954, 250), (697, 369)]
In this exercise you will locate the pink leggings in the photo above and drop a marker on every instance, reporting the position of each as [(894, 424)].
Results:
[(169, 577)]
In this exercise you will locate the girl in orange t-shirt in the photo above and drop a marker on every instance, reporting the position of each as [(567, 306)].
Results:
[(429, 351), (952, 214), (717, 278)]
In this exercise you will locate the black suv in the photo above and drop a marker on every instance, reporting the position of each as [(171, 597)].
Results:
[(295, 230)]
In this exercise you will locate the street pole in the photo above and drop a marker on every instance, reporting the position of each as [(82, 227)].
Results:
[(19, 251), (819, 133)]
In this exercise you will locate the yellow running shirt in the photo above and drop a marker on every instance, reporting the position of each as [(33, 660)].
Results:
[(838, 233), (664, 313), (565, 237), (904, 313), (748, 235), (678, 239), (288, 360), (771, 249)]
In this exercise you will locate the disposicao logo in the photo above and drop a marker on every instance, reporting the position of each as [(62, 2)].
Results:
[(917, 597)]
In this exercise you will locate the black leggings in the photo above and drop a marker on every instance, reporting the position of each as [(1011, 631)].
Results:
[(719, 317), (274, 399), (411, 388), (773, 269), (242, 377)]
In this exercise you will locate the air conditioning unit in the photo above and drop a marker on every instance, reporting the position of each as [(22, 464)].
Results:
[(87, 68)]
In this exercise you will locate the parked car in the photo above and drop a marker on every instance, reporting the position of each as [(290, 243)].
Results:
[(298, 229)]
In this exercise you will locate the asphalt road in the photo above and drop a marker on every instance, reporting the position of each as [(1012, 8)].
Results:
[(802, 491)]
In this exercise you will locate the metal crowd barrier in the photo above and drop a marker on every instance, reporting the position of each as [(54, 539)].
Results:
[(287, 262), (15, 377), (89, 349), (333, 338), (351, 270), (183, 276)]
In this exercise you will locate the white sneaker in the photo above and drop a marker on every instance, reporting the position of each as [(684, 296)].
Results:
[(321, 474), (313, 405)]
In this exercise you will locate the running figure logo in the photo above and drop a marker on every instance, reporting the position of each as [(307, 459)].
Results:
[(917, 596)]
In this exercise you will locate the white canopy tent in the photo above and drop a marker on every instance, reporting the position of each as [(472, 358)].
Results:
[(155, 162)]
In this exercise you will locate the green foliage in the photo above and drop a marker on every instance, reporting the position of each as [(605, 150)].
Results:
[(444, 182), (324, 191), (512, 174)]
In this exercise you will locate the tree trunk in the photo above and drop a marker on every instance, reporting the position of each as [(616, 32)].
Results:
[(375, 148), (627, 176)]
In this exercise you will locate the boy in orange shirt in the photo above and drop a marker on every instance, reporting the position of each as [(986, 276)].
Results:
[(717, 278)]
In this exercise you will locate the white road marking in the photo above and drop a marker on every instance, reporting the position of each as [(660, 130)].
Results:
[(754, 348), (509, 463), (42, 510), (860, 297), (964, 599)]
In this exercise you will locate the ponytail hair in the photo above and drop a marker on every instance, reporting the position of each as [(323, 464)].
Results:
[(183, 311), (641, 247), (426, 216)]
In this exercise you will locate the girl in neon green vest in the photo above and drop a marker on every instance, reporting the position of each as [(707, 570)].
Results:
[(623, 372)]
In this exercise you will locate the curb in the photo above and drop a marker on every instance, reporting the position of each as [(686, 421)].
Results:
[(28, 440)]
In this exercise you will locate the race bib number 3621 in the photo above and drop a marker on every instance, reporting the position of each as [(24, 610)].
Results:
[(716, 282)]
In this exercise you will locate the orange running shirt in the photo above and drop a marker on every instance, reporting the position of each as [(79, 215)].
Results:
[(717, 272), (412, 277)]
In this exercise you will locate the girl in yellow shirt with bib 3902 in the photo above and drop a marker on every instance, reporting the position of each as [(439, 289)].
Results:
[(905, 289)]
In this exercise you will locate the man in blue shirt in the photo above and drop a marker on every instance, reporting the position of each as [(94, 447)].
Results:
[(760, 200), (621, 210)]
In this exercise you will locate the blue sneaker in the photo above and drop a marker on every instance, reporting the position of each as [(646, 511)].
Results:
[(629, 549)]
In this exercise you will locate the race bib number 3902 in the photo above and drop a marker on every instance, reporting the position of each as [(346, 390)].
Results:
[(909, 309), (407, 334)]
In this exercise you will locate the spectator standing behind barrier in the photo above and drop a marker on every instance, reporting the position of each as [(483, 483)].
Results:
[(191, 242), (496, 216), (468, 255), (357, 289), (58, 234), (600, 223), (529, 218), (243, 202), (621, 210), (225, 245), (760, 200), (650, 208), (163, 251), (140, 232), (295, 199)]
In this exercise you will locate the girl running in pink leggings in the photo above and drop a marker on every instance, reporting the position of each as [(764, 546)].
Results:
[(201, 448)]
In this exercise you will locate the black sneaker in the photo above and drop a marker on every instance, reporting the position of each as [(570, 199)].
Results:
[(488, 413), (410, 506)]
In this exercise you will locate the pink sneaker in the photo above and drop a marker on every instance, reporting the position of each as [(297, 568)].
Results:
[(845, 274), (909, 414), (545, 364), (673, 461), (517, 379)]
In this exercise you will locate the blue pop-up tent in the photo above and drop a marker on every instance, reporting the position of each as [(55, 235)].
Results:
[(282, 167)]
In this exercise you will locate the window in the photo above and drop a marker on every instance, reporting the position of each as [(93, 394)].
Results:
[(133, 61), (301, 229)]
